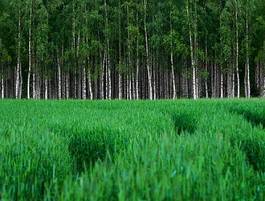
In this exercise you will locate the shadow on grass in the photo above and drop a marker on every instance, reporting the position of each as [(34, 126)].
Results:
[(88, 148), (256, 119), (184, 123), (253, 146)]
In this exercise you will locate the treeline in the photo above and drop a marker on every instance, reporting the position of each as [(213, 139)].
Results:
[(132, 49)]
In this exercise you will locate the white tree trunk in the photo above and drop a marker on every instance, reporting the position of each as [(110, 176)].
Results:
[(38, 85), (46, 88), (84, 83), (59, 78), (102, 79), (173, 75), (20, 82), (130, 86), (137, 81), (30, 58), (18, 68), (222, 86), (120, 86), (237, 54), (247, 76), (17, 87), (149, 73), (90, 85), (2, 87), (109, 79), (194, 95), (29, 69), (67, 85), (206, 89), (34, 85)]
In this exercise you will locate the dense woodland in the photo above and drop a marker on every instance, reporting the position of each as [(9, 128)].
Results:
[(132, 49)]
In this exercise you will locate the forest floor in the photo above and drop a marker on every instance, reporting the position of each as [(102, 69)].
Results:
[(139, 150)]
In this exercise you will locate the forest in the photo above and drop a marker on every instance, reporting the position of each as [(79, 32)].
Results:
[(132, 49)]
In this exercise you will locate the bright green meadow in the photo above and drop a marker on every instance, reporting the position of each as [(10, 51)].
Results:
[(141, 150)]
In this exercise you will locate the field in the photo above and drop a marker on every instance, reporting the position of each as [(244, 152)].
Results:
[(117, 150)]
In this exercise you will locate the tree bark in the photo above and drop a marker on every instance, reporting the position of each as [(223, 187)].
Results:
[(222, 85), (2, 83), (107, 60), (247, 76), (46, 88), (84, 83), (173, 75), (29, 50), (206, 70), (90, 84), (137, 62), (59, 77), (149, 73), (172, 60), (237, 52), (34, 84), (18, 69), (194, 95), (67, 85), (137, 72)]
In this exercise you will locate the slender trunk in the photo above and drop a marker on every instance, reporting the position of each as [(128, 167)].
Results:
[(108, 71), (30, 58), (237, 53), (34, 84), (90, 84), (2, 87), (80, 83), (195, 69), (137, 63), (173, 75), (137, 72), (67, 85), (18, 69), (247, 76), (192, 56), (2, 83), (75, 84), (74, 51), (20, 82), (130, 86), (102, 78), (84, 82), (46, 88), (59, 77), (133, 87), (222, 85), (206, 69), (120, 59), (154, 80), (120, 86), (233, 84), (263, 86), (37, 85), (149, 73), (216, 81)]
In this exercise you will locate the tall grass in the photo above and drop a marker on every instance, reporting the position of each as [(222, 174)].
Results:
[(118, 150)]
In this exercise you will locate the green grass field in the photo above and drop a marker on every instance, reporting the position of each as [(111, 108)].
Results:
[(118, 150)]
